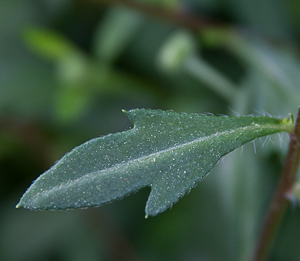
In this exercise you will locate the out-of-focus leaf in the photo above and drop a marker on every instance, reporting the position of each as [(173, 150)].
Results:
[(115, 33), (272, 73), (167, 151), (204, 72), (179, 53), (73, 69), (48, 44), (71, 103), (177, 49), (269, 17), (279, 66)]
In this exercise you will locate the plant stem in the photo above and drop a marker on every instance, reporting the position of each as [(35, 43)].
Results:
[(279, 201), (186, 19), (204, 72)]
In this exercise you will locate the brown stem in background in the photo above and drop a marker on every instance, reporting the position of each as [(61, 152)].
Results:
[(279, 201), (181, 17), (31, 135)]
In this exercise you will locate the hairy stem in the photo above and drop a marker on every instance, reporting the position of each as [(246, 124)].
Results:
[(279, 201)]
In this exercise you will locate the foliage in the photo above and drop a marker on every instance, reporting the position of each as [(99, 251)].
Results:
[(166, 151), (115, 58)]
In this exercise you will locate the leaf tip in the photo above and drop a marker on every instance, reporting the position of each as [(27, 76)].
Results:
[(127, 113), (18, 205)]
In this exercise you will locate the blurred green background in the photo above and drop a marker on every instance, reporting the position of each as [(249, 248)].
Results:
[(68, 68)]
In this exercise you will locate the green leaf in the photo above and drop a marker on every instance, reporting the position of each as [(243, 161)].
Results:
[(71, 102), (48, 44), (112, 37), (178, 48), (167, 151)]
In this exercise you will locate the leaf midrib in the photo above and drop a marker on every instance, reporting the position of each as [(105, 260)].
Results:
[(120, 165)]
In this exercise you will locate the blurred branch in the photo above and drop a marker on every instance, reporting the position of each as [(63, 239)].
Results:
[(204, 72), (31, 135), (181, 17), (185, 18), (279, 201)]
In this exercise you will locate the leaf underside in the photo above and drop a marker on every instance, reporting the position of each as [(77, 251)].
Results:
[(167, 151)]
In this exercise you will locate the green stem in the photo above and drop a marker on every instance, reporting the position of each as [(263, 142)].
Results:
[(204, 72), (279, 201)]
